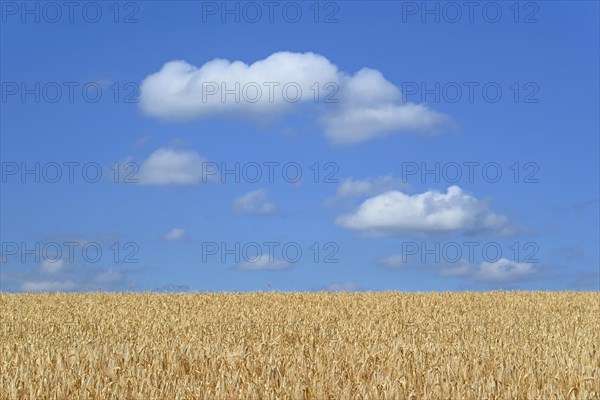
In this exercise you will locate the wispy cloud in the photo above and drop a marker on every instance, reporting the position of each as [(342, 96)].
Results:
[(175, 235), (355, 188), (500, 271), (343, 287), (52, 267), (263, 262), (254, 202), (579, 206), (47, 286)]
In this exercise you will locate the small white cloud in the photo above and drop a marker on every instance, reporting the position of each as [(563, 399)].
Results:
[(168, 166), (47, 286), (255, 202), (52, 267), (175, 234), (142, 141), (359, 107), (354, 188), (263, 262), (569, 252), (501, 271), (397, 213)]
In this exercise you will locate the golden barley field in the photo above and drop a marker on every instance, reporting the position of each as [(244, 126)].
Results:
[(388, 345)]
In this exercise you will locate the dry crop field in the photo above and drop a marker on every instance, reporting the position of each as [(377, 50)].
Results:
[(487, 345)]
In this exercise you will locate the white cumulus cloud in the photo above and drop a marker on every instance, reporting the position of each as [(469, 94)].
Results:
[(359, 107), (182, 91), (255, 202), (168, 166), (394, 212)]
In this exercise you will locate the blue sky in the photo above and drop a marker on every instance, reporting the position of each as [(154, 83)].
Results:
[(129, 99)]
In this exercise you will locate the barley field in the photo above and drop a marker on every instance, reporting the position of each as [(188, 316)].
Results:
[(389, 345)]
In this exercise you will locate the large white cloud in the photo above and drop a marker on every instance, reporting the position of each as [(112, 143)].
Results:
[(168, 166), (181, 91), (394, 212), (358, 107)]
